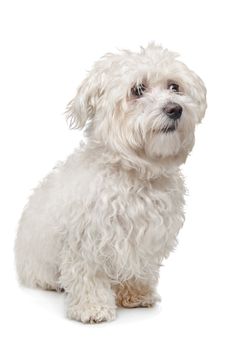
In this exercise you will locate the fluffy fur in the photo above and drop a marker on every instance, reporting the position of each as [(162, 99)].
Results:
[(101, 223)]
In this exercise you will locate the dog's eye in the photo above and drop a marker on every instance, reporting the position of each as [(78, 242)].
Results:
[(138, 90), (173, 87)]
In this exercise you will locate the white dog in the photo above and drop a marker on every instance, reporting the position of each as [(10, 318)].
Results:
[(101, 223)]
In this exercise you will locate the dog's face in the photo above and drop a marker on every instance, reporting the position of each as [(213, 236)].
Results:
[(142, 105)]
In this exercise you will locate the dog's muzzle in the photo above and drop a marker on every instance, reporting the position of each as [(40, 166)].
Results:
[(173, 110)]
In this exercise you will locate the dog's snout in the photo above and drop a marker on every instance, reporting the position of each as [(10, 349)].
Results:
[(173, 110)]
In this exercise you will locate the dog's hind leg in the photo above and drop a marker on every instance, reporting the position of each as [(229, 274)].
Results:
[(37, 251)]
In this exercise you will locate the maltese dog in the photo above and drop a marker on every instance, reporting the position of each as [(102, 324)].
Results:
[(100, 224)]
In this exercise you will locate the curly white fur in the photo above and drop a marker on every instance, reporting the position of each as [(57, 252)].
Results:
[(101, 223)]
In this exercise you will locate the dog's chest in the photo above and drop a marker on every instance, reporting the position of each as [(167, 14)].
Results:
[(152, 212), (138, 224)]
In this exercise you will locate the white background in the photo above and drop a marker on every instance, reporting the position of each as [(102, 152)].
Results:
[(46, 48)]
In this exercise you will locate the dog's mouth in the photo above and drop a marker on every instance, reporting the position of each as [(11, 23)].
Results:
[(169, 128)]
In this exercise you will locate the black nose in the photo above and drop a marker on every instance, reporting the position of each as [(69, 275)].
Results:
[(173, 110)]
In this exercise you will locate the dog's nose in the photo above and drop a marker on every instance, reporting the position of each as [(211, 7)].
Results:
[(173, 110)]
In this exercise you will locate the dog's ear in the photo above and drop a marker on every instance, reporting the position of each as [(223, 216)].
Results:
[(198, 92), (83, 106)]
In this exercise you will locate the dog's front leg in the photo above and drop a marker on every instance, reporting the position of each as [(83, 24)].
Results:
[(90, 298), (136, 293)]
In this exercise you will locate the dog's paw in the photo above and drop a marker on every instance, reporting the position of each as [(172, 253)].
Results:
[(92, 313), (150, 300), (130, 302), (133, 297)]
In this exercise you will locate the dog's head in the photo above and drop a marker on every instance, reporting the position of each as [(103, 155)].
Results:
[(141, 105)]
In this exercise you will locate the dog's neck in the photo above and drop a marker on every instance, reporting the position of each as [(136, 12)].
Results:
[(133, 162)]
